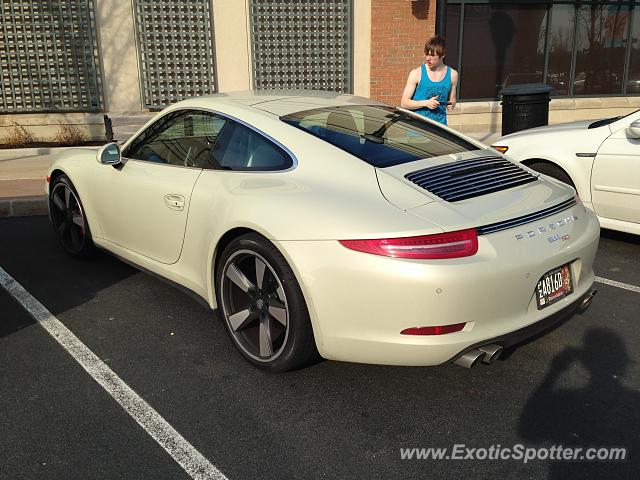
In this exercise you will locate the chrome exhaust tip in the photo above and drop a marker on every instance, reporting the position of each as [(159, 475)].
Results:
[(587, 299), (469, 359), (491, 352)]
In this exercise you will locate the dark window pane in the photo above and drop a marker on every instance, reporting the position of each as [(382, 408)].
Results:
[(561, 49), (633, 83), (381, 136), (453, 35), (601, 46), (240, 148), (503, 45), (152, 145), (183, 138), (202, 137)]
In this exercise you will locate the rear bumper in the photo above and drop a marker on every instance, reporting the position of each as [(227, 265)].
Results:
[(359, 303), (529, 332)]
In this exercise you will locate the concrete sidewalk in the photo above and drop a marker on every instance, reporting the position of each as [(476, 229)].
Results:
[(22, 180), (23, 172)]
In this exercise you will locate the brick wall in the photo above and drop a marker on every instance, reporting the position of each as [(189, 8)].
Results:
[(399, 30)]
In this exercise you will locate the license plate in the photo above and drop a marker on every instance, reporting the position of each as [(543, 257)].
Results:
[(554, 286)]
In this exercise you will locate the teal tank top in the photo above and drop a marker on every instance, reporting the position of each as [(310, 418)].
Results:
[(427, 89)]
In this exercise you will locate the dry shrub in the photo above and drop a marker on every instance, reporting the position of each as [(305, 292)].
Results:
[(18, 136), (70, 135)]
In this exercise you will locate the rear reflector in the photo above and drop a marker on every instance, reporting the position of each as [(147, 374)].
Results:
[(438, 330), (463, 243)]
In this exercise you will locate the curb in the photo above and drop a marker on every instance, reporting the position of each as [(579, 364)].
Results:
[(23, 206), (35, 151)]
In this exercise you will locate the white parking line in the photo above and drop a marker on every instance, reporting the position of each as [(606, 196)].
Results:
[(192, 461), (613, 283)]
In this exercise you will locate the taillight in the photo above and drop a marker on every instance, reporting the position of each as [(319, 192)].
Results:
[(462, 243), (437, 330)]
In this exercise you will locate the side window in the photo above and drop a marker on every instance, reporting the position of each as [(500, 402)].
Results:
[(240, 148), (202, 133), (184, 138)]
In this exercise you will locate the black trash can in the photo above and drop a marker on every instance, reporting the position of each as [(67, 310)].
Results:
[(525, 106)]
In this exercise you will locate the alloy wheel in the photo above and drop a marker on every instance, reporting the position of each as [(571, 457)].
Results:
[(254, 305), (67, 217)]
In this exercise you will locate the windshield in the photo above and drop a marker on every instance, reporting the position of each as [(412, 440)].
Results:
[(382, 136), (607, 121)]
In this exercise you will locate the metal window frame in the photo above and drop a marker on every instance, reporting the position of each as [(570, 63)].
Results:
[(348, 85), (633, 11), (633, 5), (50, 57), (155, 67)]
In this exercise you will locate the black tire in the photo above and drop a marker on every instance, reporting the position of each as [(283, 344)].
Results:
[(69, 220), (265, 313), (551, 170)]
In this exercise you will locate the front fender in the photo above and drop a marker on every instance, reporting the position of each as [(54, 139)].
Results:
[(79, 164)]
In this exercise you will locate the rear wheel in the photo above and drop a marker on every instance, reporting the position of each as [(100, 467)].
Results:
[(551, 170), (262, 305), (68, 219)]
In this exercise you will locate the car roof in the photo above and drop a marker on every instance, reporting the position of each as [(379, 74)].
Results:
[(278, 102)]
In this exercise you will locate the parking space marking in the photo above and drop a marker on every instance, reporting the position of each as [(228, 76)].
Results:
[(192, 461), (613, 283)]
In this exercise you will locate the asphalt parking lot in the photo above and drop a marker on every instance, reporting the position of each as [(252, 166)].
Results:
[(577, 386)]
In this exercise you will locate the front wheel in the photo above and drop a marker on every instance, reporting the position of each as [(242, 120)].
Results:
[(262, 306), (69, 220)]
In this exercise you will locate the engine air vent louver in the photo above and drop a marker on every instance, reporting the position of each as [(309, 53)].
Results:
[(470, 178)]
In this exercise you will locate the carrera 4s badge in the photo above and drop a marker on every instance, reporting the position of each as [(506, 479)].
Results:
[(551, 227)]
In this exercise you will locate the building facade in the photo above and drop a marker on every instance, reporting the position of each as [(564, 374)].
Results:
[(72, 61)]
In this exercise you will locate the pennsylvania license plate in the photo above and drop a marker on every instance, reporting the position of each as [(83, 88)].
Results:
[(553, 286)]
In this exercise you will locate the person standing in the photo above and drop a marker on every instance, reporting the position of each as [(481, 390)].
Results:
[(431, 88)]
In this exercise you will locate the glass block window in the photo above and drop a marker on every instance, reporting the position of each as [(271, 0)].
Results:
[(175, 49), (48, 57), (302, 44)]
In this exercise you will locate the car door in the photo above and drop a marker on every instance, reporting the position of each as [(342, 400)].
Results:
[(615, 179), (143, 205)]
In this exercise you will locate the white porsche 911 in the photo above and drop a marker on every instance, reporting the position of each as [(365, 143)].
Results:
[(600, 159), (333, 224)]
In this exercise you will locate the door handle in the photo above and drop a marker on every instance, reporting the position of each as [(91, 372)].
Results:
[(174, 201)]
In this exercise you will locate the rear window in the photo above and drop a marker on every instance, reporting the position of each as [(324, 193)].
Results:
[(382, 136)]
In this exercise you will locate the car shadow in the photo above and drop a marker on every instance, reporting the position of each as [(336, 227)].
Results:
[(508, 351), (583, 403), (620, 236), (31, 255)]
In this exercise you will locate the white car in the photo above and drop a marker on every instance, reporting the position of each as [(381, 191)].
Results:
[(600, 159), (333, 224)]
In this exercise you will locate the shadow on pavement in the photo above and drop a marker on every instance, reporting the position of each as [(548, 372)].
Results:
[(14, 317), (620, 236), (30, 253), (600, 412)]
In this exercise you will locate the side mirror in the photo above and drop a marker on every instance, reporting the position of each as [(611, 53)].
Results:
[(109, 154), (634, 130)]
